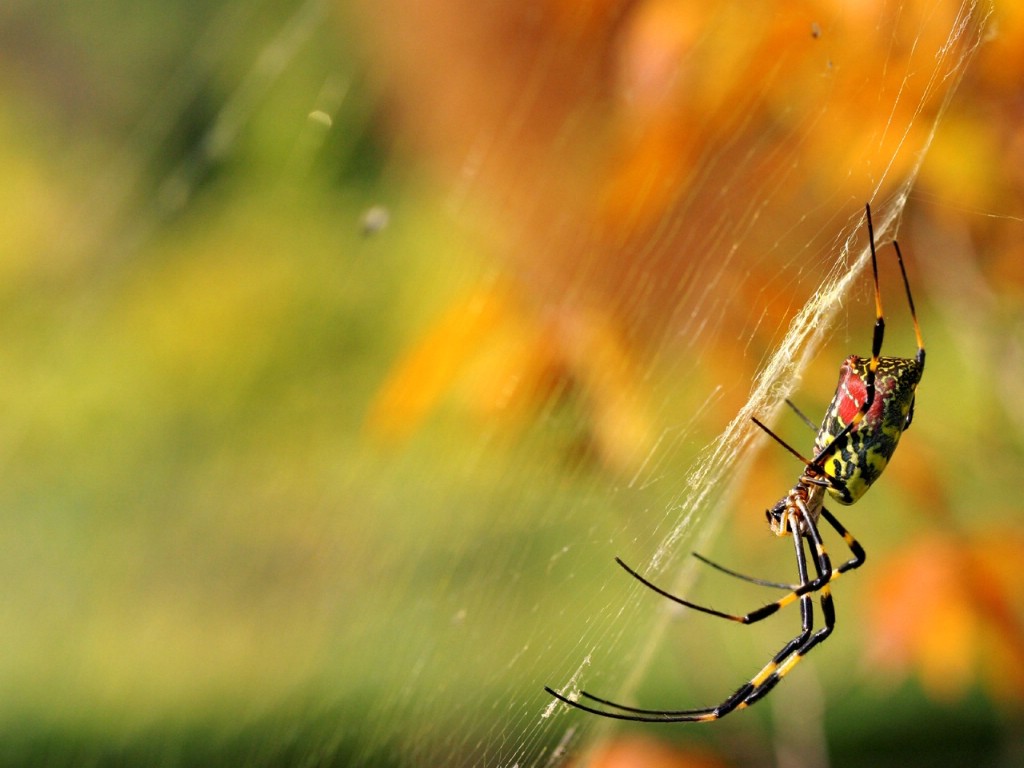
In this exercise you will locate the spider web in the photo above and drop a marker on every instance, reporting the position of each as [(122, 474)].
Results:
[(356, 605)]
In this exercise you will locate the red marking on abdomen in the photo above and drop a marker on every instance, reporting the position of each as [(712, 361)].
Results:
[(851, 391)]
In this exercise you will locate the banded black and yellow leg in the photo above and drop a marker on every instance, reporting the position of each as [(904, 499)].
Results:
[(784, 661), (859, 555), (919, 357), (741, 697), (772, 672)]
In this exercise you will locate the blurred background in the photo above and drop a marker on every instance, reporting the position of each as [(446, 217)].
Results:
[(345, 344)]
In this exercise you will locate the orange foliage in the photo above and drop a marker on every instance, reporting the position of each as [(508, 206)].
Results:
[(646, 753), (506, 362), (946, 608)]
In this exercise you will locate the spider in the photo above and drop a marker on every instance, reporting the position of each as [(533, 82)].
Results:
[(872, 407)]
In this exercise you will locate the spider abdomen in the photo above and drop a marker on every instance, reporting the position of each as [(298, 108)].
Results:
[(870, 445)]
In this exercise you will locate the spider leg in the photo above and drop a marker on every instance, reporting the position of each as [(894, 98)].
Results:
[(620, 712), (750, 691), (802, 415), (910, 301), (859, 555), (878, 336), (791, 655), (743, 576), (754, 616), (800, 646)]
